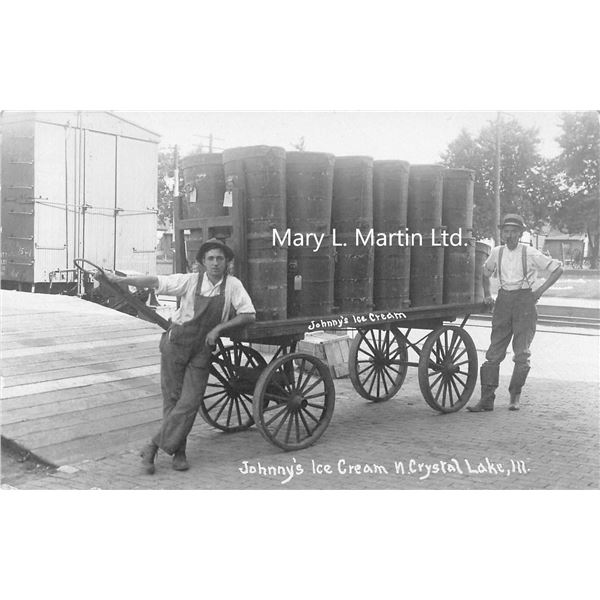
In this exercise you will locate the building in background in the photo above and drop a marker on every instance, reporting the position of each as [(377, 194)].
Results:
[(75, 185), (571, 250)]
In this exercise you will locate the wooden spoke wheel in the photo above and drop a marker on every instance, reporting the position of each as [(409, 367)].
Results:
[(448, 368), (378, 363), (227, 402), (294, 401)]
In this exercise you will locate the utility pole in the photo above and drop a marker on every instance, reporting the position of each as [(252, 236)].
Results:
[(176, 171), (175, 210), (211, 138), (598, 164), (594, 259), (497, 187)]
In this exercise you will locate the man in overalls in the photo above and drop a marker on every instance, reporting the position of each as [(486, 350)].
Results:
[(206, 302), (515, 314)]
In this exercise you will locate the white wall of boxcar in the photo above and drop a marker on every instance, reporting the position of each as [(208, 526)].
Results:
[(97, 229), (136, 197), (51, 210), (116, 173)]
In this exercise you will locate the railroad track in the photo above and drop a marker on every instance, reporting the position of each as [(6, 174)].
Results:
[(557, 320)]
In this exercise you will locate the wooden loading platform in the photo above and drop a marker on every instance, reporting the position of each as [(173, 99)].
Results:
[(80, 381)]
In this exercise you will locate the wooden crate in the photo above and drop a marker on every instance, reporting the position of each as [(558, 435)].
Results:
[(331, 348)]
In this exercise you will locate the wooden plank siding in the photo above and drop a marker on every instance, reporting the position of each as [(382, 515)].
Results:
[(79, 381)]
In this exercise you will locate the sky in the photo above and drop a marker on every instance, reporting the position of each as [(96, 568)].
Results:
[(417, 137)]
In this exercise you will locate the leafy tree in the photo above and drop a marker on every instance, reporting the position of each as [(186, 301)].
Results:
[(524, 183), (468, 153), (577, 206), (166, 186)]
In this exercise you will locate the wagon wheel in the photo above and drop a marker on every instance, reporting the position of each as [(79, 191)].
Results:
[(227, 403), (448, 368), (293, 403), (378, 363)]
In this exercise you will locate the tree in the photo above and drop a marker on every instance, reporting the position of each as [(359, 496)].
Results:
[(166, 185), (524, 174), (467, 153), (577, 206)]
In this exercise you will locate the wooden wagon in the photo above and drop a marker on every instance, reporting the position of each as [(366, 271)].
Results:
[(291, 396)]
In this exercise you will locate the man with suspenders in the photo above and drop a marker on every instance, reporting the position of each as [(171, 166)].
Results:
[(515, 314)]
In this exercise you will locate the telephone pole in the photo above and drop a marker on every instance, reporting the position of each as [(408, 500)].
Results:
[(176, 171), (498, 168), (211, 138)]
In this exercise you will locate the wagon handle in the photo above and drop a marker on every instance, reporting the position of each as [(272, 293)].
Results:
[(78, 262), (125, 295)]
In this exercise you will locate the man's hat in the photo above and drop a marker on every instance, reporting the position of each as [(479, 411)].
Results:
[(213, 244), (514, 220)]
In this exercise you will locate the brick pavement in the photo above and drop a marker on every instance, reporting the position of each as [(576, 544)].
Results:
[(555, 435)]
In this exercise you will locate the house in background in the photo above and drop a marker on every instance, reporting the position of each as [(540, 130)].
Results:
[(571, 250)]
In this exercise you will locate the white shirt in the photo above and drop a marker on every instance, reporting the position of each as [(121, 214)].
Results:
[(512, 266), (184, 285)]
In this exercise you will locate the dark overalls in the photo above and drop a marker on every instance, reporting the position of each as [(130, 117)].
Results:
[(184, 369), (515, 317)]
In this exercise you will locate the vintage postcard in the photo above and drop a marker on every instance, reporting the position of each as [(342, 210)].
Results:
[(299, 300)]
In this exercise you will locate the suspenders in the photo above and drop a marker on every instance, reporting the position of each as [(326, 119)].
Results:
[(198, 295), (523, 263)]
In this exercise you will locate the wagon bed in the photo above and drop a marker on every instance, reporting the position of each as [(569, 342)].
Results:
[(291, 399), (422, 317)]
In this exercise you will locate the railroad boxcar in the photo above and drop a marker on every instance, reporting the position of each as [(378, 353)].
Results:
[(75, 185)]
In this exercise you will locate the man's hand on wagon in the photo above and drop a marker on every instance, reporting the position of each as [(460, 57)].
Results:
[(212, 337)]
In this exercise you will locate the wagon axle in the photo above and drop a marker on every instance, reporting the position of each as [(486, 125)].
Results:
[(292, 398), (447, 367), (297, 401)]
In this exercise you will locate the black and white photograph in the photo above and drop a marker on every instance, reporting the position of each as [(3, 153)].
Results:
[(300, 300)]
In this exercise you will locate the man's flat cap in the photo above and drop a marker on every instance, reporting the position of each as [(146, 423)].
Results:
[(514, 220)]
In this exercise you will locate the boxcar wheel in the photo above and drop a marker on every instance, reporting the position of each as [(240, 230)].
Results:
[(448, 368), (227, 402), (378, 363), (294, 401)]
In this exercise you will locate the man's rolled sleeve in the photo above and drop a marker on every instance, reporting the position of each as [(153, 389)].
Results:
[(240, 300), (545, 263), (173, 285)]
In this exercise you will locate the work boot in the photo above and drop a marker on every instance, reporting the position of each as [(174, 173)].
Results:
[(486, 403), (488, 376), (148, 455), (180, 462), (517, 381)]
